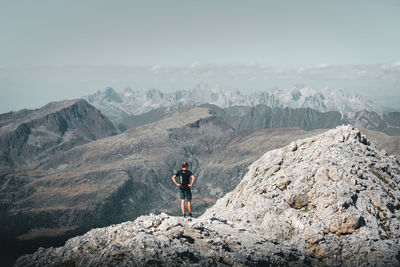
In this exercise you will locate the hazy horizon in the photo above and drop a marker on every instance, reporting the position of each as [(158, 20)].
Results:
[(33, 87), (54, 50)]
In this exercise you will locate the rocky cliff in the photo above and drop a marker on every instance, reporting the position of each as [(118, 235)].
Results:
[(332, 199)]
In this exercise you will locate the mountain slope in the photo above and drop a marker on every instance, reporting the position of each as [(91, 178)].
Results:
[(388, 123), (28, 135), (246, 118)]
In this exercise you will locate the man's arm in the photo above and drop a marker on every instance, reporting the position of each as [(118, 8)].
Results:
[(173, 179), (193, 179)]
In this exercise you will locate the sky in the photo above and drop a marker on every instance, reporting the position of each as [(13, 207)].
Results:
[(52, 50)]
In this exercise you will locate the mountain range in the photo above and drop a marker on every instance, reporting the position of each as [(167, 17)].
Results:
[(65, 170), (129, 102), (298, 107)]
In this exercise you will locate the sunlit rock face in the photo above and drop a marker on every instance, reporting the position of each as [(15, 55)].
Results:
[(162, 240), (334, 197)]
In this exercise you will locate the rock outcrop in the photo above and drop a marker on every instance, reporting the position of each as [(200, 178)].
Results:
[(333, 196), (163, 240), (332, 199)]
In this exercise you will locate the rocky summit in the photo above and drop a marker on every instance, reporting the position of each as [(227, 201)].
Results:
[(332, 199)]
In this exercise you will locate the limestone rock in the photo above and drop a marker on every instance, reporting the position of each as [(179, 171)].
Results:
[(164, 240), (335, 197)]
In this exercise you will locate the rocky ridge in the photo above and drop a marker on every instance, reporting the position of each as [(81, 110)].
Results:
[(333, 196), (162, 240), (330, 199)]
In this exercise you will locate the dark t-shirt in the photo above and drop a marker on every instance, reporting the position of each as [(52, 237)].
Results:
[(183, 178)]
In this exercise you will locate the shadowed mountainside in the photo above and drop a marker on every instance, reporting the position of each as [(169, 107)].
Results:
[(246, 118), (27, 136)]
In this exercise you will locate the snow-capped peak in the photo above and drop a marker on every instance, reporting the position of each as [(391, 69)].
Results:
[(132, 102)]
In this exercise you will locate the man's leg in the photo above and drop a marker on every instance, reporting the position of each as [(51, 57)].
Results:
[(189, 200), (190, 206), (183, 206)]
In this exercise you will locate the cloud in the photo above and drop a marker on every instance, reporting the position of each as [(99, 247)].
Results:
[(396, 64), (155, 68), (322, 66), (194, 65)]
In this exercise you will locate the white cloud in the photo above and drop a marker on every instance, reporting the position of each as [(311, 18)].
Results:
[(155, 67), (397, 63), (322, 66), (194, 65)]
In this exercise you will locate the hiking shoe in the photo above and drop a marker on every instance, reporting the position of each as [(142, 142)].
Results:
[(190, 215), (184, 215)]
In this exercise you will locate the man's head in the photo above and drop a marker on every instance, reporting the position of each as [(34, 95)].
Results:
[(185, 165)]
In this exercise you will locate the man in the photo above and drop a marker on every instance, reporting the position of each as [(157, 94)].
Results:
[(184, 185)]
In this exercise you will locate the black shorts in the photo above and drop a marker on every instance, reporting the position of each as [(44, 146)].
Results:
[(185, 194)]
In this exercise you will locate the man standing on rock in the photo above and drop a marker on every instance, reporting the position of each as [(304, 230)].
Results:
[(184, 176)]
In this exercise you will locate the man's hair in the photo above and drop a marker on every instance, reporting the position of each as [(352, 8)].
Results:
[(185, 164)]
